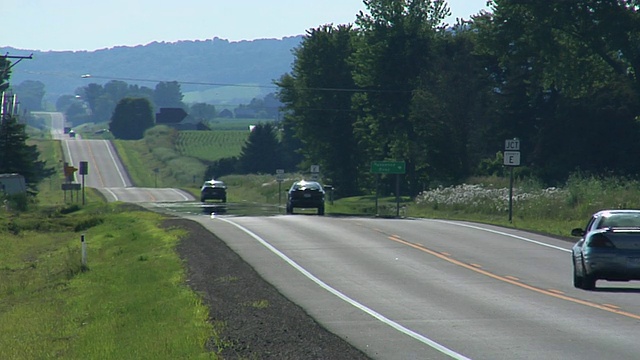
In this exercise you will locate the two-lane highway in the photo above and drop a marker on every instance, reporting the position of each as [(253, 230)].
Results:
[(427, 289), (106, 172)]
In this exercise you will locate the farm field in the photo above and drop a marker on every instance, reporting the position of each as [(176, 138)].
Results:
[(211, 145)]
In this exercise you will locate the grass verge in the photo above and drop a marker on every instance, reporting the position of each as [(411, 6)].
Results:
[(130, 301)]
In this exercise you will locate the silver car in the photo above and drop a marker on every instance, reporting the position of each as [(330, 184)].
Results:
[(609, 248)]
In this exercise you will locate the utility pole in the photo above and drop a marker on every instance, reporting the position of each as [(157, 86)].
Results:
[(8, 104)]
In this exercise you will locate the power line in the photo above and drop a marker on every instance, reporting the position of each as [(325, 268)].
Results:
[(353, 90)]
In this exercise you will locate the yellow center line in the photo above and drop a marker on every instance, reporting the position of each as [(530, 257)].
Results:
[(510, 280)]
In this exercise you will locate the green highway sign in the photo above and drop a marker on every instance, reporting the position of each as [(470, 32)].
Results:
[(388, 167)]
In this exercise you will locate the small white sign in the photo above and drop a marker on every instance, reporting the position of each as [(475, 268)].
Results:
[(512, 158), (512, 145), (315, 168), (315, 177), (279, 171)]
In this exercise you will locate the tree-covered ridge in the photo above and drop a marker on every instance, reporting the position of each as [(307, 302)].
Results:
[(204, 61), (558, 75)]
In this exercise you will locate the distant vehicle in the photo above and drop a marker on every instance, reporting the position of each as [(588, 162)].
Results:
[(609, 248), (72, 133), (305, 194), (66, 129), (213, 190)]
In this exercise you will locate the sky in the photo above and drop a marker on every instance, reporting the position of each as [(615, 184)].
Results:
[(98, 24)]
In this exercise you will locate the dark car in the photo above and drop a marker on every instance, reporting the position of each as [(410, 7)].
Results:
[(305, 194), (609, 248), (213, 190)]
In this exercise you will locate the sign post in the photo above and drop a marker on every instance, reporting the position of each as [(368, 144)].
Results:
[(511, 159), (279, 179), (315, 172), (389, 167), (84, 170)]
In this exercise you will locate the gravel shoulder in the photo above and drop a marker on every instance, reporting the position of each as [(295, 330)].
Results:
[(259, 322)]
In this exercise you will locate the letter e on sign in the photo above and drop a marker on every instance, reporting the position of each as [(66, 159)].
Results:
[(512, 158)]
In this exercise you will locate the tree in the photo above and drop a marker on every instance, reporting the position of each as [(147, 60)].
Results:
[(397, 44), (5, 73), (168, 94), (318, 107), (30, 94), (18, 157), (261, 153), (202, 111), (562, 67), (131, 118)]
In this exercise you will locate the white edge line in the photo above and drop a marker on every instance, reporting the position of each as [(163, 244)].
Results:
[(503, 233), (349, 300), (115, 197), (181, 193), (66, 144), (108, 145)]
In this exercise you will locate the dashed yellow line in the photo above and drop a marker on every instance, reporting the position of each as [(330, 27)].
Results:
[(514, 281)]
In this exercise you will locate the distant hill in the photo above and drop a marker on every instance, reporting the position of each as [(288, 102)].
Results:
[(214, 62)]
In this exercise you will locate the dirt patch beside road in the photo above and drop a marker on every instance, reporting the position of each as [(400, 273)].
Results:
[(260, 323)]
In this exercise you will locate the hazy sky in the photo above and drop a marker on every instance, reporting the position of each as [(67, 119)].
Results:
[(98, 24)]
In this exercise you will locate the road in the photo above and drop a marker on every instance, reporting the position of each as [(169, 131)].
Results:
[(417, 288), (428, 289), (106, 173)]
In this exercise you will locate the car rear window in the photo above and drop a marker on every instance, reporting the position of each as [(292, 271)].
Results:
[(620, 220)]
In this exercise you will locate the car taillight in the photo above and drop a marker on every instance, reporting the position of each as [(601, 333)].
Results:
[(600, 241)]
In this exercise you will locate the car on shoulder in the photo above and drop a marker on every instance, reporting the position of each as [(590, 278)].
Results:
[(305, 194), (608, 249), (213, 190)]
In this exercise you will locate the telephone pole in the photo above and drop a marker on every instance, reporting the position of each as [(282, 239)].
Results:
[(8, 103)]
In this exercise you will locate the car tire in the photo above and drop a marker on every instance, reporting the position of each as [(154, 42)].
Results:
[(578, 281), (289, 210), (588, 281), (321, 210)]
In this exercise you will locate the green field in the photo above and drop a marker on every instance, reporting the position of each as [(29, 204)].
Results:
[(211, 145)]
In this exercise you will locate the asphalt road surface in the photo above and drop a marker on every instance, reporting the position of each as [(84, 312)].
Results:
[(429, 289)]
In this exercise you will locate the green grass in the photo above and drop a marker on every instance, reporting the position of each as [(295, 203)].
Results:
[(130, 301)]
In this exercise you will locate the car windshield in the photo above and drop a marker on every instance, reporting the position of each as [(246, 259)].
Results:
[(620, 220), (213, 183), (303, 185)]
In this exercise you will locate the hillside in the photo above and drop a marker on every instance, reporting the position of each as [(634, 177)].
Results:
[(215, 61)]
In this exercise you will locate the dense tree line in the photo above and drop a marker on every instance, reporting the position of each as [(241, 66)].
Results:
[(96, 103), (401, 85)]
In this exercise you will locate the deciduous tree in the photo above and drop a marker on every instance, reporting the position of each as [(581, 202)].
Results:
[(131, 118)]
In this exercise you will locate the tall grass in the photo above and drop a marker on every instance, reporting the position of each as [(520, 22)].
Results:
[(549, 210)]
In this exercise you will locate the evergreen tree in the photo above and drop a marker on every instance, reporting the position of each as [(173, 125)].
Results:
[(18, 157), (261, 153)]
